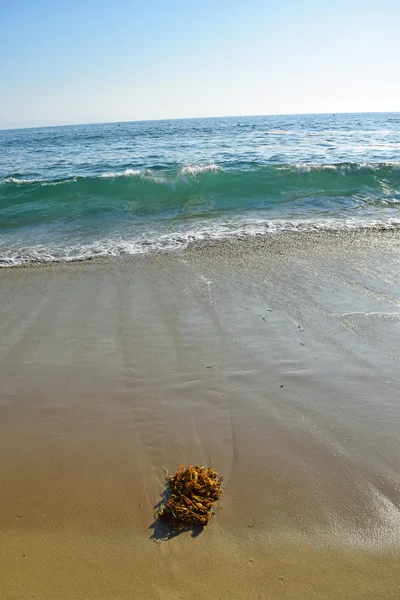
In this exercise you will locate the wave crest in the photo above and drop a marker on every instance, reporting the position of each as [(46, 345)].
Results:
[(197, 169), (126, 173)]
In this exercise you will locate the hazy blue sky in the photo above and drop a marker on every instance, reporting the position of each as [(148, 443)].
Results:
[(81, 61)]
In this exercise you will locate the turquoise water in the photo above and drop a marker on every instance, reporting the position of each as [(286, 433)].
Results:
[(69, 193)]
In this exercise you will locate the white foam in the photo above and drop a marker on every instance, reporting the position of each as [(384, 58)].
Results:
[(196, 169), (16, 180), (61, 182), (146, 174), (339, 167), (179, 239), (126, 173)]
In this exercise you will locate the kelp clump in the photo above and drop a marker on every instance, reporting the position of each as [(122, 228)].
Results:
[(192, 493)]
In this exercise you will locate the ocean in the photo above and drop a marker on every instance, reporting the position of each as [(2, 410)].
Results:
[(115, 189)]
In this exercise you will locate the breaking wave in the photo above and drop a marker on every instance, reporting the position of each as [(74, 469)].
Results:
[(132, 211)]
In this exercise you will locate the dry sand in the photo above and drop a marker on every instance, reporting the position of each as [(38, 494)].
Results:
[(275, 360)]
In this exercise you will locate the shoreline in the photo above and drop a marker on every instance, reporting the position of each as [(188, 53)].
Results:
[(273, 359), (265, 238)]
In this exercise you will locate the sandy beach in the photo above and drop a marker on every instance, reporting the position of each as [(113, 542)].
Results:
[(273, 359)]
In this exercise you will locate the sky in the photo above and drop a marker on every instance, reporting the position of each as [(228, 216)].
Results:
[(87, 62)]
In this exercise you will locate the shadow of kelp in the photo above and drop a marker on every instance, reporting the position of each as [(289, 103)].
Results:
[(162, 530)]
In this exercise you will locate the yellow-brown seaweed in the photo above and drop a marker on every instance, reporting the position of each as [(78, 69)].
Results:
[(193, 492)]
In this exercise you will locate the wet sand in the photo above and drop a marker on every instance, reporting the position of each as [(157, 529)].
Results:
[(275, 360)]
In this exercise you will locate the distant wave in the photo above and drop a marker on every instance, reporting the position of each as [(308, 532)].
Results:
[(266, 179)]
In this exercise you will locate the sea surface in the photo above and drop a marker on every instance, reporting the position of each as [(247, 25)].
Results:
[(76, 192)]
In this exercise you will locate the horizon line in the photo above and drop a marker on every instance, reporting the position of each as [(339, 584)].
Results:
[(106, 122)]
